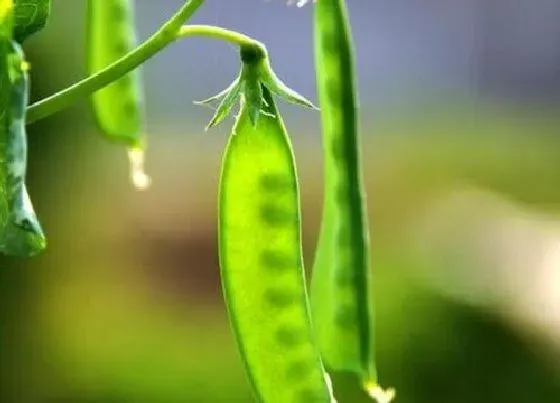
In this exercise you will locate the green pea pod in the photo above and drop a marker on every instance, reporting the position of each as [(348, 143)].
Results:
[(119, 107), (261, 263), (341, 292), (22, 234), (30, 17)]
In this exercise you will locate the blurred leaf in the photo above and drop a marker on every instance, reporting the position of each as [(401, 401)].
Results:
[(30, 17)]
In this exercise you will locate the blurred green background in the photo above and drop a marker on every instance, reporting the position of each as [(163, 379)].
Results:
[(461, 147)]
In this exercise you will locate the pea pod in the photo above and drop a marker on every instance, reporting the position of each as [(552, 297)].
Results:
[(261, 263), (341, 292), (21, 234), (119, 107)]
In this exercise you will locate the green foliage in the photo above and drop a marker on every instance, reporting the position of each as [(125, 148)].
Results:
[(6, 19), (30, 17)]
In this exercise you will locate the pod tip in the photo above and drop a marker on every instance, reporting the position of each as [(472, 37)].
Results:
[(138, 177), (378, 394)]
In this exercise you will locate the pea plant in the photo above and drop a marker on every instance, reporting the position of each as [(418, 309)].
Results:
[(290, 340)]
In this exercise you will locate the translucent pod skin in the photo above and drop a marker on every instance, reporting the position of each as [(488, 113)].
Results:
[(341, 295), (119, 106), (261, 263), (22, 234)]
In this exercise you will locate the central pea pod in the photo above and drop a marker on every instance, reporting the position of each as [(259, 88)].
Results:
[(261, 261)]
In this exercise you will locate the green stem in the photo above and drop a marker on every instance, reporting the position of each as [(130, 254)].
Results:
[(222, 34), (171, 31), (167, 34)]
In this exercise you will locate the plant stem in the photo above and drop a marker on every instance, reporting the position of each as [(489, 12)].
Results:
[(223, 34), (167, 34), (163, 37), (171, 31)]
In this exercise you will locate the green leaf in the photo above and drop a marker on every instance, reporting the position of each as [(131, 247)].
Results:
[(6, 20), (30, 17)]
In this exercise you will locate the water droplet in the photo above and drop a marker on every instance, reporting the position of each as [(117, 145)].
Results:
[(379, 394), (138, 177)]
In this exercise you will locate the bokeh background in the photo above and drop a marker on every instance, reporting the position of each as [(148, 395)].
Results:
[(460, 104)]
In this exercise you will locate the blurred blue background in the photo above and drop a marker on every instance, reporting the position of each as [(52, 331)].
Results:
[(461, 147)]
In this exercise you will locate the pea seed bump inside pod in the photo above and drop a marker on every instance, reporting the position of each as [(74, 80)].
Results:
[(119, 107)]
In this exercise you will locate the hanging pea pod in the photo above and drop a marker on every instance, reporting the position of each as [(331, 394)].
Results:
[(119, 107), (341, 291), (260, 258), (21, 233)]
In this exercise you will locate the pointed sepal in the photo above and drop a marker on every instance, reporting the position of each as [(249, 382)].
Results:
[(254, 99), (279, 88), (226, 104)]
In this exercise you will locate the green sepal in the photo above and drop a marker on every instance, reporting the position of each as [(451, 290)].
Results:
[(213, 98), (279, 88), (253, 95), (226, 104), (256, 76), (23, 235)]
